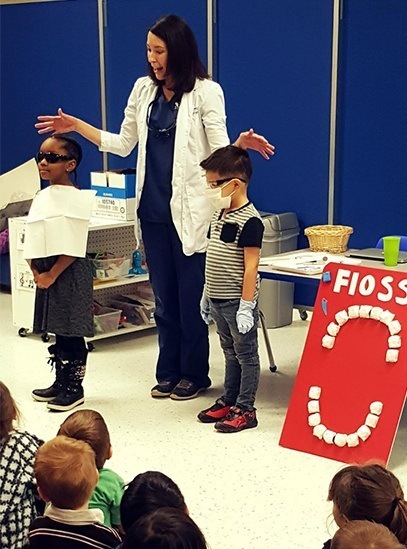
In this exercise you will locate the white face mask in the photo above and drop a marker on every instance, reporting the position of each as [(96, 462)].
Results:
[(218, 201)]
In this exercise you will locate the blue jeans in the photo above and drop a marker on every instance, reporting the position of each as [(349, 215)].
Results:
[(177, 281), (242, 364)]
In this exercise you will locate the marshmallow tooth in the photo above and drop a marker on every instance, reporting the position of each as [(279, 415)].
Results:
[(376, 312), (394, 342), (329, 436), (314, 392), (364, 432), (328, 341), (314, 419), (376, 407), (364, 311), (340, 440), (319, 430), (371, 420), (333, 329), (394, 327), (353, 311), (392, 355), (352, 440), (341, 317)]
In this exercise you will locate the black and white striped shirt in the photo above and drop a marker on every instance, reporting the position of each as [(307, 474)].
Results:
[(228, 236)]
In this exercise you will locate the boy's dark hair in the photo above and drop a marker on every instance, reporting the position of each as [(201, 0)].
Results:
[(370, 492), (145, 493), (9, 412), (229, 161), (89, 426), (366, 534), (183, 63), (165, 528)]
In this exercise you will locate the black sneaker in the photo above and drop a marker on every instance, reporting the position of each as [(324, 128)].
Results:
[(163, 389), (186, 390)]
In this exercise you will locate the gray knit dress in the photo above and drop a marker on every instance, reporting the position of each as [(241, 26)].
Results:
[(65, 308)]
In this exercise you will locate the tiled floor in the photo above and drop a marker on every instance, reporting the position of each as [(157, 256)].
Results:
[(243, 490)]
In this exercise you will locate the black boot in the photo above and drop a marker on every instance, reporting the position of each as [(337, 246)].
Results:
[(45, 395), (72, 393)]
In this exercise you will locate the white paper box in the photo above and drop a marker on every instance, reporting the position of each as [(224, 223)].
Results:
[(114, 208)]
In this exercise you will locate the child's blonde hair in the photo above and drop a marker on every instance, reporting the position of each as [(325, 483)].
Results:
[(366, 534), (9, 412), (66, 472), (89, 426)]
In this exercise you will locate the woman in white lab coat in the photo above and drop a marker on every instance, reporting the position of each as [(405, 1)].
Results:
[(176, 114)]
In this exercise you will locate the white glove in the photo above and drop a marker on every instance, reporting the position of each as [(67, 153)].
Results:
[(205, 308), (244, 316)]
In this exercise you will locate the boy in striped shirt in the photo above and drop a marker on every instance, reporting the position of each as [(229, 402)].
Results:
[(232, 285), (66, 474)]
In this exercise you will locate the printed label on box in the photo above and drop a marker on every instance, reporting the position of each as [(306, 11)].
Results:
[(114, 208)]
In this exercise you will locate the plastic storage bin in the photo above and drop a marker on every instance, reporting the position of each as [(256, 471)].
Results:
[(106, 320), (106, 270), (276, 299)]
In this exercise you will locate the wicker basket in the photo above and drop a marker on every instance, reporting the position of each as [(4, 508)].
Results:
[(328, 238)]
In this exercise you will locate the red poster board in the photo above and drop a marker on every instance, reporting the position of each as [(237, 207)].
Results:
[(354, 373)]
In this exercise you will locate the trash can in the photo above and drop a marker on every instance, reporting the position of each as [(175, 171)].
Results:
[(276, 299)]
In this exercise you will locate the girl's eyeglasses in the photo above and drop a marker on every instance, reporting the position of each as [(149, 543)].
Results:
[(52, 158)]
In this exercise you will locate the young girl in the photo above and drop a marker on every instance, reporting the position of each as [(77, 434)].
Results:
[(19, 503), (369, 492), (55, 245), (89, 425)]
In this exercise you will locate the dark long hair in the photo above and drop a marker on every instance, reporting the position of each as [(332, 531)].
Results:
[(370, 492), (184, 64), (145, 493)]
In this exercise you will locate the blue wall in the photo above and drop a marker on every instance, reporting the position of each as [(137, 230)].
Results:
[(371, 163), (276, 75), (275, 71), (49, 59)]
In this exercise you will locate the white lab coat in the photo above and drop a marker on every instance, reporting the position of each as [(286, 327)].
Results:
[(201, 129)]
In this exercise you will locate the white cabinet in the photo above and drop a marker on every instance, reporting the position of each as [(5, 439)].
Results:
[(115, 236)]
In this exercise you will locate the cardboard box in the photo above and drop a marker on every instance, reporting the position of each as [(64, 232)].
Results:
[(114, 208), (113, 184)]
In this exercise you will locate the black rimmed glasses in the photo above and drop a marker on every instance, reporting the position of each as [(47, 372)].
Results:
[(52, 158), (162, 132), (217, 182)]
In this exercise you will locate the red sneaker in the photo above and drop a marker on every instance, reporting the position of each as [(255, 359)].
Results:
[(237, 420), (217, 411)]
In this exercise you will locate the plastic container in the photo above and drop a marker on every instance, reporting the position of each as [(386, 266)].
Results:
[(276, 299), (106, 270), (106, 320)]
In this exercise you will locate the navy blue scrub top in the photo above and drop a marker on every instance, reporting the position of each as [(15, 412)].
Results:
[(157, 191)]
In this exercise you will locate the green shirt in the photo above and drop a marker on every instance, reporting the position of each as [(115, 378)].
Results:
[(107, 496)]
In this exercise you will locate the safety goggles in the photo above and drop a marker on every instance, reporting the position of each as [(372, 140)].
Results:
[(52, 158), (216, 182)]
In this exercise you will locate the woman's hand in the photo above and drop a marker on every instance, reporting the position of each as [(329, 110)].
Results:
[(57, 124), (251, 140)]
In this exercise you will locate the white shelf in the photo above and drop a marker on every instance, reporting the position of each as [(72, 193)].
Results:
[(100, 223), (120, 282), (128, 328)]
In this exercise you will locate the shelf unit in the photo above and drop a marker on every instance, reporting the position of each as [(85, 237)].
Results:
[(104, 234)]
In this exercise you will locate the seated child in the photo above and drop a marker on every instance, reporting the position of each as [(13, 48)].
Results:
[(166, 528), (66, 476), (19, 501), (232, 286), (369, 492), (89, 425), (363, 534), (145, 493)]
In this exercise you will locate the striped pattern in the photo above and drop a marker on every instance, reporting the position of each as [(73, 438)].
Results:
[(46, 533), (225, 260)]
